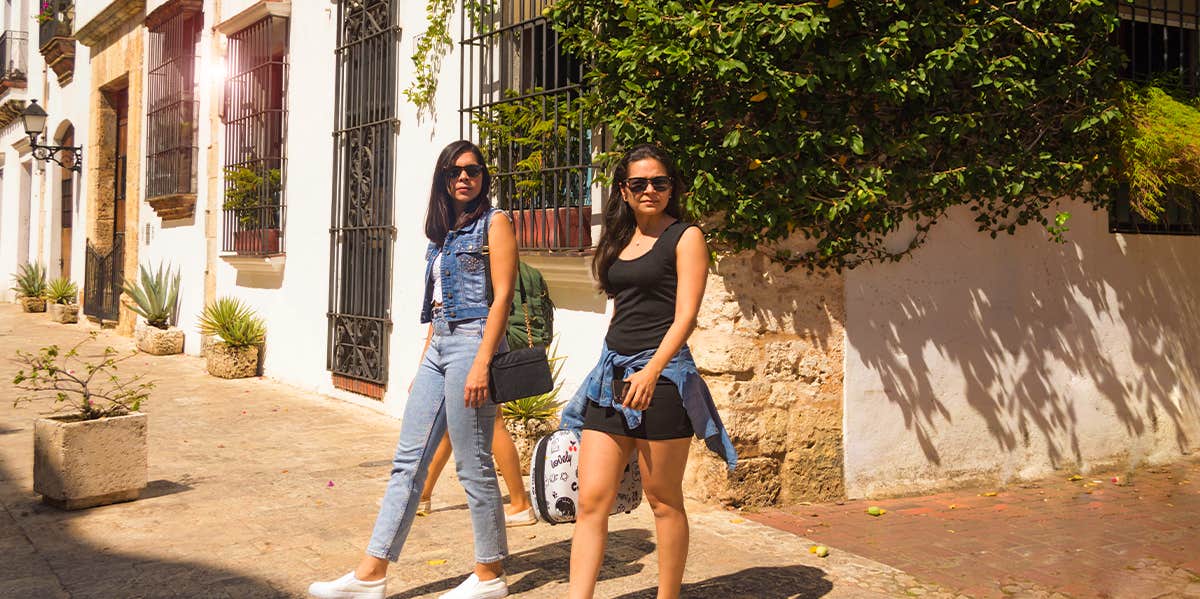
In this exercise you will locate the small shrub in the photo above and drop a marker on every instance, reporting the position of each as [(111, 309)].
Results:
[(154, 298), (1160, 147), (30, 280), (89, 389), (62, 291), (538, 407), (234, 322)]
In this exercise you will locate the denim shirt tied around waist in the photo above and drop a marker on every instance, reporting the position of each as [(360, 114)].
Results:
[(681, 371), (464, 281)]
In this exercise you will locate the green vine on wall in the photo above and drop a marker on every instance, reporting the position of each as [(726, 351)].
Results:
[(436, 41), (1160, 147)]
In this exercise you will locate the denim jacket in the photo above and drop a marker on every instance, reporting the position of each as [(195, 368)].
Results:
[(464, 282), (681, 370)]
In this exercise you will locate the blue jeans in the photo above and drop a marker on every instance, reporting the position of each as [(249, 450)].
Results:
[(436, 405)]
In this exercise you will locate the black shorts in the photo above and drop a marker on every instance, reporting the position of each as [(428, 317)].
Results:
[(665, 419)]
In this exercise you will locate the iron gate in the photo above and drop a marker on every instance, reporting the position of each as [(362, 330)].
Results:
[(361, 229), (103, 274)]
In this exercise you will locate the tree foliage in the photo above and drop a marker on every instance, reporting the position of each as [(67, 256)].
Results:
[(839, 121)]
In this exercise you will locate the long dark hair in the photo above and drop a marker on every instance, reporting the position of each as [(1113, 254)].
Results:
[(619, 222), (439, 218)]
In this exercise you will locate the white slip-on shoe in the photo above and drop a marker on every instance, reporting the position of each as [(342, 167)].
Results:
[(473, 588), (424, 507), (348, 587), (522, 518)]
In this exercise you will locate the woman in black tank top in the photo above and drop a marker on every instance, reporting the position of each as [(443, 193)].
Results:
[(654, 267)]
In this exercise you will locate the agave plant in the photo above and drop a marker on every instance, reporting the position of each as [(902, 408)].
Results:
[(538, 407), (154, 297), (62, 291), (234, 322), (31, 280)]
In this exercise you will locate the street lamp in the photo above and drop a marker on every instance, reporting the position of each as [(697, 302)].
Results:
[(35, 123)]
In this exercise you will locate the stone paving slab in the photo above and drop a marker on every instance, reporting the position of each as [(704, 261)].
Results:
[(1107, 534), (258, 488)]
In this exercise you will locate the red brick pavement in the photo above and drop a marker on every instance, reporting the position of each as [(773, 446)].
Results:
[(1083, 538)]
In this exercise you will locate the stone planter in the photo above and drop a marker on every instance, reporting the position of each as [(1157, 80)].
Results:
[(525, 435), (33, 304), (63, 313), (159, 342), (85, 463), (229, 362)]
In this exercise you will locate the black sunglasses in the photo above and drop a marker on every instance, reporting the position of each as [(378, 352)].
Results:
[(638, 184), (452, 172)]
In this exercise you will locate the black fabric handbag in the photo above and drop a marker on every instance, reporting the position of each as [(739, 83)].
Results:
[(517, 373)]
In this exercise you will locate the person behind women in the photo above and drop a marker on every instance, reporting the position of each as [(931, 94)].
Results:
[(645, 393), (449, 392)]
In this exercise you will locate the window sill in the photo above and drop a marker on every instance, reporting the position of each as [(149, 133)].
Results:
[(176, 206), (256, 264)]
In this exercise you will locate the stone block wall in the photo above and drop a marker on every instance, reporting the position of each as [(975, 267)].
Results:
[(769, 344)]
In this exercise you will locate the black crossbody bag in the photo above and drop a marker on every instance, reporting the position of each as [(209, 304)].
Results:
[(517, 373)]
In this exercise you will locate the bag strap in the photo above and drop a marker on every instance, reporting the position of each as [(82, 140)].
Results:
[(487, 279)]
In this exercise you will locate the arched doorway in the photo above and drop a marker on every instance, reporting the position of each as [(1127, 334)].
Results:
[(66, 196)]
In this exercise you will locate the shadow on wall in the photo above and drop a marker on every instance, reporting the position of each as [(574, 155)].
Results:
[(61, 563), (1045, 343)]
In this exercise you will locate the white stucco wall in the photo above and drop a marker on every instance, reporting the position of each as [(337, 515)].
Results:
[(995, 360)]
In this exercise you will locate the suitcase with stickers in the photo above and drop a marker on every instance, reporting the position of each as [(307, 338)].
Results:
[(554, 479)]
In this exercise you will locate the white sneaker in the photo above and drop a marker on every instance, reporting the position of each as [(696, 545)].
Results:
[(523, 518), (349, 587), (473, 588)]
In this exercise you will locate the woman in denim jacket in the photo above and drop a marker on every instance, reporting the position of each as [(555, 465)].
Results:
[(451, 386), (645, 393)]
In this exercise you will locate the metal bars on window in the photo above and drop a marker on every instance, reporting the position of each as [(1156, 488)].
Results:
[(519, 98), (361, 231), (1161, 41), (14, 60), (172, 110), (255, 114)]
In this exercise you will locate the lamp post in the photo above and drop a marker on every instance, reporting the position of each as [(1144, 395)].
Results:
[(35, 123)]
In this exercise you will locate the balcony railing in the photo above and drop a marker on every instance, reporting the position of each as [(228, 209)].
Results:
[(55, 20), (14, 58)]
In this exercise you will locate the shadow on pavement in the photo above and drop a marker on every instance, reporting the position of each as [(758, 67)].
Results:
[(549, 563), (781, 582)]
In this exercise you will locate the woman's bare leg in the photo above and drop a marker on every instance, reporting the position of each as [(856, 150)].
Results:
[(662, 464), (440, 458), (602, 459), (508, 462)]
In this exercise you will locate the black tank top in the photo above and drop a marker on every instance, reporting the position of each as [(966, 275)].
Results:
[(644, 295)]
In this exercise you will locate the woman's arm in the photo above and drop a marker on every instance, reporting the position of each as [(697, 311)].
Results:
[(691, 269), (502, 244)]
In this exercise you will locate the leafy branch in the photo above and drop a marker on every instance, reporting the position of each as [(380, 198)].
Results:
[(90, 389)]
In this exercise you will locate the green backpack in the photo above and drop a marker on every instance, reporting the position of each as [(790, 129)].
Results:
[(541, 310)]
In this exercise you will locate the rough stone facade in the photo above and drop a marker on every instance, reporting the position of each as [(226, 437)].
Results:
[(228, 362), (116, 63), (159, 342), (769, 344)]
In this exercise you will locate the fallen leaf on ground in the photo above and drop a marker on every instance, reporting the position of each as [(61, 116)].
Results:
[(989, 494), (953, 506), (736, 520), (876, 511), (329, 484), (436, 562), (1075, 477)]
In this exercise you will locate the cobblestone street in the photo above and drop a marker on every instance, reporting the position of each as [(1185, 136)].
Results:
[(258, 488)]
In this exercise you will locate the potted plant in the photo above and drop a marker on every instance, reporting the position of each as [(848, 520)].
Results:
[(254, 200), (31, 287), (237, 335), (549, 211), (154, 299), (94, 453), (531, 418), (62, 294)]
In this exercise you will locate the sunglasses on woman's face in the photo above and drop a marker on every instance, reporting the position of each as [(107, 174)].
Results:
[(638, 184), (453, 172)]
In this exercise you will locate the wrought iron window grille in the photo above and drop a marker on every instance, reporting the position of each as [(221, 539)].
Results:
[(172, 106), (518, 97), (1161, 41), (255, 117)]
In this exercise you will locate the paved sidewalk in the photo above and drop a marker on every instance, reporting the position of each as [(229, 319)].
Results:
[(1137, 537), (258, 488)]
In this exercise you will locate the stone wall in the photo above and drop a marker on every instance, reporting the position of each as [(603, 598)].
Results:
[(769, 344)]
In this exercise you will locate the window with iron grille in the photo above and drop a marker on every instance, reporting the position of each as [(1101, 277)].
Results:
[(1161, 41), (172, 110), (519, 99), (255, 115)]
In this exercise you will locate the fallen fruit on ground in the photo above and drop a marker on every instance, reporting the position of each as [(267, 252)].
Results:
[(876, 511), (822, 551)]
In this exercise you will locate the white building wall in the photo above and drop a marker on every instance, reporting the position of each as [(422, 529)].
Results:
[(993, 360)]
